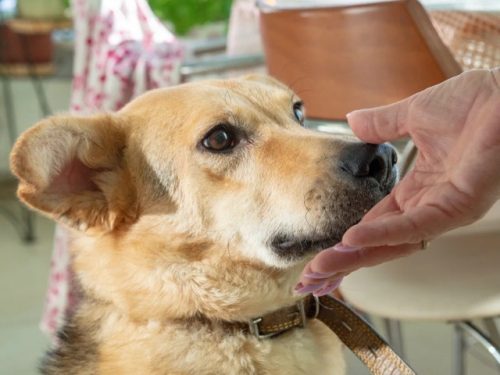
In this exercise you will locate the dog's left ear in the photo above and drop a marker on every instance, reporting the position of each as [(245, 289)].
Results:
[(73, 169)]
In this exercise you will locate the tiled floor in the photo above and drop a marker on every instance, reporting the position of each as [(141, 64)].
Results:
[(23, 277)]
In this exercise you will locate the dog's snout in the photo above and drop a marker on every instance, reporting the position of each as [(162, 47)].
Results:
[(363, 160)]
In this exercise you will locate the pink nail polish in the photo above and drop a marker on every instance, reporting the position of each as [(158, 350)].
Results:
[(310, 288), (341, 248)]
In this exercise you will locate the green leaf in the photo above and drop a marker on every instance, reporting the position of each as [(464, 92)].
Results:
[(184, 14)]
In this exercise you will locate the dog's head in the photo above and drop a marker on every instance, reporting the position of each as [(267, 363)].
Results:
[(203, 172)]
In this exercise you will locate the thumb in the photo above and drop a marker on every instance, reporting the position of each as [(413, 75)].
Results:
[(380, 124)]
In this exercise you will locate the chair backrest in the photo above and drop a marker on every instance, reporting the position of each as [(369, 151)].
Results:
[(341, 58)]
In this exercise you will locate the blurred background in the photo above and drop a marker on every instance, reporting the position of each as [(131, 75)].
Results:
[(95, 55)]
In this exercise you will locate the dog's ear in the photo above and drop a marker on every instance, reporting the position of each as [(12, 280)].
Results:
[(73, 170)]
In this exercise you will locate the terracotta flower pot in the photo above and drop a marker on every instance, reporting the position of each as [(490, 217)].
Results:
[(35, 48)]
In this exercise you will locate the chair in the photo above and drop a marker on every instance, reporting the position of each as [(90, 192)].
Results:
[(455, 280), (340, 58)]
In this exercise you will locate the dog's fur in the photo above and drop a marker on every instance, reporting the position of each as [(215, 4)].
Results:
[(171, 240)]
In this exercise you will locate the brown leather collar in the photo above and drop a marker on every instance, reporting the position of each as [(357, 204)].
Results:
[(284, 319), (353, 330)]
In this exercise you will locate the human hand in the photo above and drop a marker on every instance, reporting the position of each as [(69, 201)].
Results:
[(456, 178)]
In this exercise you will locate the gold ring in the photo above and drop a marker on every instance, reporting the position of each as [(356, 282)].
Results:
[(424, 244)]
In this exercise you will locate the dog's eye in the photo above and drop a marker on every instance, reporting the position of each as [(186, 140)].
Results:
[(221, 138), (298, 111)]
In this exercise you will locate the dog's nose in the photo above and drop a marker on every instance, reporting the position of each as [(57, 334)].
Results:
[(363, 160)]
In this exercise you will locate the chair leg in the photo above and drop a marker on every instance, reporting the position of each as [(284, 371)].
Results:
[(394, 335), (458, 366), (492, 329), (29, 231), (482, 339)]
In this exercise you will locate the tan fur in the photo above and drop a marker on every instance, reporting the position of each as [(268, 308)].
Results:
[(165, 232)]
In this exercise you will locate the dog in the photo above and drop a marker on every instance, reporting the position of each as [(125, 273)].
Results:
[(191, 208)]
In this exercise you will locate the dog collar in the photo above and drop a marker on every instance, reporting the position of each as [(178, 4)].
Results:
[(351, 329), (285, 319)]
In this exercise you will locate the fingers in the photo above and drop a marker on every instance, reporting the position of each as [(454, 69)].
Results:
[(328, 268), (321, 288), (411, 226), (380, 124), (341, 259), (387, 205)]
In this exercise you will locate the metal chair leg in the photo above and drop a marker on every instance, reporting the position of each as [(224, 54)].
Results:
[(481, 338), (394, 335), (458, 366), (28, 230), (492, 329), (35, 79), (26, 222)]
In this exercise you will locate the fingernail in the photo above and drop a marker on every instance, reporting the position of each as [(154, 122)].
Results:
[(341, 248), (330, 287), (309, 288), (319, 275), (298, 286)]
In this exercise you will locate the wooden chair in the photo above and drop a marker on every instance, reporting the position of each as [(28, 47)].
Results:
[(342, 58)]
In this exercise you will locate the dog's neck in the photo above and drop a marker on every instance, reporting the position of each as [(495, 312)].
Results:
[(170, 287)]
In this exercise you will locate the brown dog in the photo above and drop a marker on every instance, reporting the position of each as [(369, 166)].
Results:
[(193, 207)]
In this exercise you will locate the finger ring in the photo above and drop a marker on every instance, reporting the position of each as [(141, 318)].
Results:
[(424, 244)]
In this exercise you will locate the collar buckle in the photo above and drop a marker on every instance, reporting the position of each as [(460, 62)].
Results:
[(254, 328)]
